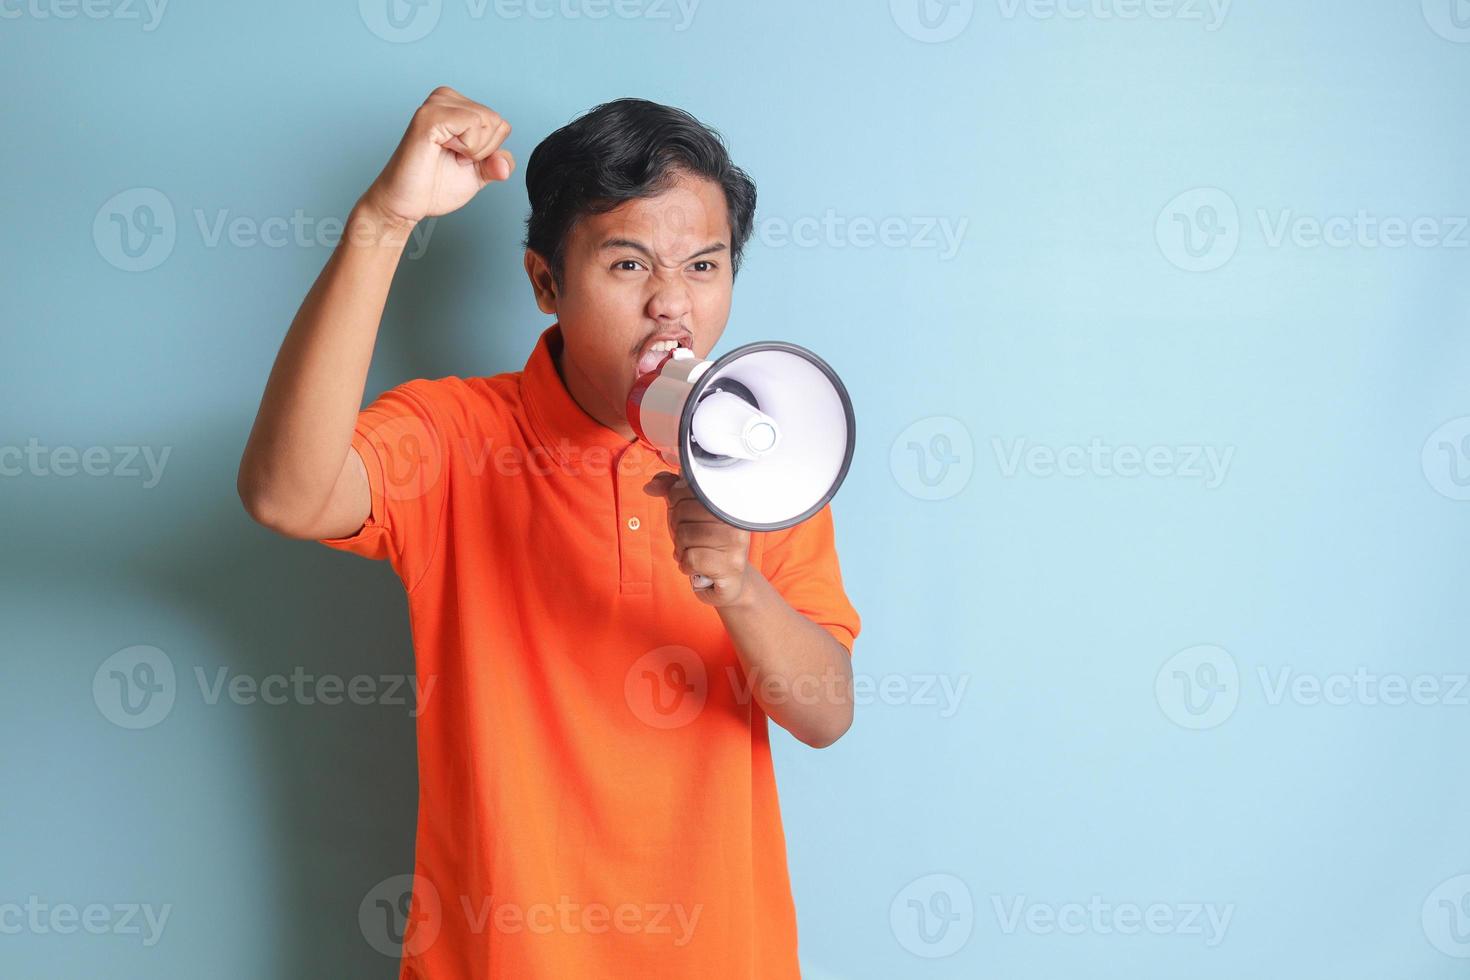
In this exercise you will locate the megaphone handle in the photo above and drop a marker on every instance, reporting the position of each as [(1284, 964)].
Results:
[(700, 582)]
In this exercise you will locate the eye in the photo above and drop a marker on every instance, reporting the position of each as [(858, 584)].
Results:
[(627, 265), (708, 266)]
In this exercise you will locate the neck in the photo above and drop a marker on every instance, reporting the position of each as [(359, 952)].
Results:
[(586, 396)]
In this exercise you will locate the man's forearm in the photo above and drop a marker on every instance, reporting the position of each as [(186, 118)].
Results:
[(311, 402), (799, 674), (300, 447)]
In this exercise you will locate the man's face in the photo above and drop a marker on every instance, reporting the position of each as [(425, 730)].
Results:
[(654, 269)]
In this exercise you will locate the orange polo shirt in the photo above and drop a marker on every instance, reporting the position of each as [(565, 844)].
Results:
[(596, 796)]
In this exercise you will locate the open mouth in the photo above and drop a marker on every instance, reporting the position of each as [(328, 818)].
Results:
[(653, 355)]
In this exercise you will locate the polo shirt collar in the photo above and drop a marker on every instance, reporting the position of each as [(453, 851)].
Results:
[(563, 427)]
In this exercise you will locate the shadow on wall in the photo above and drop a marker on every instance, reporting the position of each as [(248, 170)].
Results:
[(345, 787), (339, 780)]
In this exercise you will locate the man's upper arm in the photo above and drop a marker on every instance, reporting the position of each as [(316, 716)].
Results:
[(350, 504), (402, 451), (801, 562)]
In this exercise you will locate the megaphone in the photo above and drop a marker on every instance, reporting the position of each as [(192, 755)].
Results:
[(763, 436)]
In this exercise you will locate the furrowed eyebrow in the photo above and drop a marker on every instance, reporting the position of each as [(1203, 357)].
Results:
[(640, 247)]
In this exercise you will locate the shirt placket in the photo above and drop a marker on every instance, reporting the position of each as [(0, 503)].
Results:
[(634, 515)]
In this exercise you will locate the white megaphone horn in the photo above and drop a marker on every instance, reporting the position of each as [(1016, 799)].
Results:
[(762, 436)]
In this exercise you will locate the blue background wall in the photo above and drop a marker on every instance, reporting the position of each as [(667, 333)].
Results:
[(1230, 687)]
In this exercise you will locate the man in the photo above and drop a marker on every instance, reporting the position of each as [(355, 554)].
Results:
[(596, 794)]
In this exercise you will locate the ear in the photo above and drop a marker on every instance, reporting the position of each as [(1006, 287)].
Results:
[(542, 282)]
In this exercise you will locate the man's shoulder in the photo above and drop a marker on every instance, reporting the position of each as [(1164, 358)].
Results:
[(466, 404)]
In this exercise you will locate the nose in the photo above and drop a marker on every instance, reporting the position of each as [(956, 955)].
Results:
[(670, 302)]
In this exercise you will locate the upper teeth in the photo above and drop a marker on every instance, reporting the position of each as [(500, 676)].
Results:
[(663, 345)]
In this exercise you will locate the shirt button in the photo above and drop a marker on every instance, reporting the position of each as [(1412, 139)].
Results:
[(633, 524)]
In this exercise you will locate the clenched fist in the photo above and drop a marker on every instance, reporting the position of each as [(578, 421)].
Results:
[(452, 149), (712, 553)]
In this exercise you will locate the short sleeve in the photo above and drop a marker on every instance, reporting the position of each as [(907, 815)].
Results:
[(403, 449), (801, 562)]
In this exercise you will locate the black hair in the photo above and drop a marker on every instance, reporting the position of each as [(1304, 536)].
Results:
[(618, 151)]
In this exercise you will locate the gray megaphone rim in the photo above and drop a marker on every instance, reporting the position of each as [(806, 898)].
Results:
[(686, 418)]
